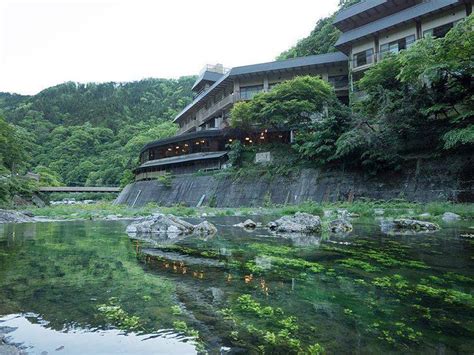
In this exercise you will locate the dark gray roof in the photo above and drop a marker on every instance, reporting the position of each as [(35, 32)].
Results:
[(293, 63), (207, 76), (182, 159), (391, 21), (357, 9)]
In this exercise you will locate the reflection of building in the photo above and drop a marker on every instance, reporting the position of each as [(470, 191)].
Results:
[(370, 30)]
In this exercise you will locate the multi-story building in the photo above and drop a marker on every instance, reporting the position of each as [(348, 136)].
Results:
[(370, 30), (204, 128)]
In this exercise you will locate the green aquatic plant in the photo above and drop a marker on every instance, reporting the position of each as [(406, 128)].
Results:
[(315, 349), (268, 328), (115, 314), (449, 296), (358, 264), (182, 327), (176, 310)]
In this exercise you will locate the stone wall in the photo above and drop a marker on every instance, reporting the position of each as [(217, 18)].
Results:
[(422, 181)]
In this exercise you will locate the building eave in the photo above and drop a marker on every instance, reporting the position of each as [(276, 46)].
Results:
[(397, 19)]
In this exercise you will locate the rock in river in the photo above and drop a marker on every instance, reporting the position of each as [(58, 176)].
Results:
[(340, 226), (14, 217), (299, 223), (404, 225), (450, 217), (169, 224), (205, 228), (247, 224)]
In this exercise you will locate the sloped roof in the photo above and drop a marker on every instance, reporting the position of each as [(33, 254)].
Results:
[(357, 9)]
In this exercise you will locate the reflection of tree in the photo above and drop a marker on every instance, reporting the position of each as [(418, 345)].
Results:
[(69, 268)]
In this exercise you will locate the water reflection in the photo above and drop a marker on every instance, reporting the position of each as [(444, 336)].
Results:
[(366, 292), (32, 334)]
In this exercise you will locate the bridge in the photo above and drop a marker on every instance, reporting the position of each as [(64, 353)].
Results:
[(103, 189)]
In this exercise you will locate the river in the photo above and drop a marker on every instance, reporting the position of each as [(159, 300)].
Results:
[(85, 287)]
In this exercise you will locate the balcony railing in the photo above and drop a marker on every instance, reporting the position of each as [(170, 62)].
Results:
[(205, 114)]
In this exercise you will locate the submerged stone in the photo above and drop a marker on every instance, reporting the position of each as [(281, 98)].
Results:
[(299, 223), (182, 258)]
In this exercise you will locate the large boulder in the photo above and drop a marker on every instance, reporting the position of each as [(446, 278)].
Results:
[(7, 216), (340, 226), (169, 224), (299, 223)]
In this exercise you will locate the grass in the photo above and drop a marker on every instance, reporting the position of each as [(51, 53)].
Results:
[(362, 208)]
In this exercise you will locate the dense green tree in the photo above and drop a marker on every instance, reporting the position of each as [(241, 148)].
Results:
[(292, 104), (307, 105)]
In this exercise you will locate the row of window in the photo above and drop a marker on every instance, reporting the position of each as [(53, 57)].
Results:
[(367, 57)]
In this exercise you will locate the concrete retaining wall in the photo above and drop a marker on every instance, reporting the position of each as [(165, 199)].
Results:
[(422, 181)]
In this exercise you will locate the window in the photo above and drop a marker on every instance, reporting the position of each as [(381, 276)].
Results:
[(396, 46), (440, 31), (247, 92), (363, 58)]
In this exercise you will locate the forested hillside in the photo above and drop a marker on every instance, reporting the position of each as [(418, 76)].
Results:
[(90, 134)]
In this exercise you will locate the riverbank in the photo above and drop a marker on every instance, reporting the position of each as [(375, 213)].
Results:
[(397, 208)]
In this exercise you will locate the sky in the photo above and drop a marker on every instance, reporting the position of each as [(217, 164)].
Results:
[(44, 43)]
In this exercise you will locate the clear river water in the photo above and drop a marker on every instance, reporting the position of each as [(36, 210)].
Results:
[(86, 287)]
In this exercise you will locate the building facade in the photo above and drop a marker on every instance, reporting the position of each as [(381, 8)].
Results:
[(370, 30)]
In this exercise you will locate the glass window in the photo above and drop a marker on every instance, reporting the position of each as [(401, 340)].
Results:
[(396, 46), (409, 41), (248, 92), (364, 58), (440, 31)]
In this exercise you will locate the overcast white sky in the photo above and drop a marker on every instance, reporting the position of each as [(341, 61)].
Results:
[(44, 43)]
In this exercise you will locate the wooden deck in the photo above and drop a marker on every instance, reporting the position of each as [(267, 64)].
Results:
[(79, 189)]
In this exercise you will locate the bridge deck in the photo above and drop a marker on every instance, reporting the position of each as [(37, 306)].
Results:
[(78, 189)]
